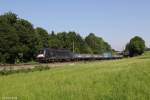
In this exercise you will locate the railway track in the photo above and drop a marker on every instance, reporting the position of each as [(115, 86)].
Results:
[(51, 65), (30, 66)]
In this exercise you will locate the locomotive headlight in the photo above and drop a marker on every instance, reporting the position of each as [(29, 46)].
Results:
[(40, 56)]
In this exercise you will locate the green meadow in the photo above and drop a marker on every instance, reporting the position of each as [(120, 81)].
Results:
[(125, 79)]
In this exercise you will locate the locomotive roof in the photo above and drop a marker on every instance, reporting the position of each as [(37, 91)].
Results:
[(59, 49)]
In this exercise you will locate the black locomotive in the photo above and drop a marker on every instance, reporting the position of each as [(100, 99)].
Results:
[(54, 55), (63, 55)]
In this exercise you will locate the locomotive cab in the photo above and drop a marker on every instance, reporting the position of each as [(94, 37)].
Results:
[(54, 55), (41, 55)]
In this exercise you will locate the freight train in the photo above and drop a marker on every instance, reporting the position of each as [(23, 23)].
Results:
[(47, 55)]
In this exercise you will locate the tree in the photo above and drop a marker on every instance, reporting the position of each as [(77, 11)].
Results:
[(28, 39), (9, 17), (53, 41), (8, 38), (73, 41), (97, 44), (42, 36), (62, 36), (136, 46), (82, 45)]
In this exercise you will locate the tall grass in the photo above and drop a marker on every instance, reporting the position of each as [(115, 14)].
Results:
[(127, 79)]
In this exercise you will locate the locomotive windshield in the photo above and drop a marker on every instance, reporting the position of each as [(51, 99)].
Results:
[(41, 52)]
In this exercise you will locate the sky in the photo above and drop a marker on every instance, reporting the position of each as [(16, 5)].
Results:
[(116, 21)]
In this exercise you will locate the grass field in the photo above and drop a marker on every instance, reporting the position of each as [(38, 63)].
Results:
[(126, 79)]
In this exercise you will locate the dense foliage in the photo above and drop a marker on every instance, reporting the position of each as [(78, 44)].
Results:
[(20, 41), (136, 46), (17, 39), (97, 44)]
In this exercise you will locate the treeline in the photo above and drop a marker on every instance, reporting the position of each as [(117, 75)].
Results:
[(20, 41)]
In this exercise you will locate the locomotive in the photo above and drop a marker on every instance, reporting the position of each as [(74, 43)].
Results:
[(54, 55), (63, 55)]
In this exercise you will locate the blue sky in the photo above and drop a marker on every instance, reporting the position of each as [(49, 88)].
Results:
[(117, 21)]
